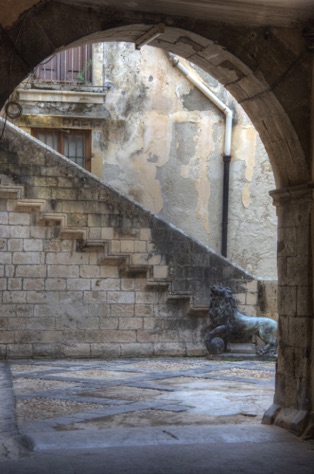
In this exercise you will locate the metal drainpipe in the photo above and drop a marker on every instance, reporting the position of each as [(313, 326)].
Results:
[(227, 144)]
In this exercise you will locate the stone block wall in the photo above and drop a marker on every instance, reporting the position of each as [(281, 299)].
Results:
[(294, 396), (86, 272)]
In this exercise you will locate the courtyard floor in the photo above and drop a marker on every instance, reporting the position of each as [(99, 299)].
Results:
[(170, 415)]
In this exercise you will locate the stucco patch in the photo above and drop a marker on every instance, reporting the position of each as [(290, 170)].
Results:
[(244, 148), (157, 136), (246, 196)]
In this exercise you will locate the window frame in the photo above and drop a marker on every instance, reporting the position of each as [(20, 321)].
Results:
[(61, 142)]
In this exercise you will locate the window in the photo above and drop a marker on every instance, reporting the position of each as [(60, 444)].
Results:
[(74, 144), (71, 66)]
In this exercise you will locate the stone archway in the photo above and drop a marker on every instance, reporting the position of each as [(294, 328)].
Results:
[(269, 73), (237, 57)]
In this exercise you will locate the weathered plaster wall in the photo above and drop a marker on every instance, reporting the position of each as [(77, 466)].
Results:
[(237, 56), (164, 148), (157, 138)]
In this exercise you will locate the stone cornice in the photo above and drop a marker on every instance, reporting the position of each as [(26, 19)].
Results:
[(293, 195), (42, 95)]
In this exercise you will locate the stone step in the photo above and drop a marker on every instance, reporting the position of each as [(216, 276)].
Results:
[(52, 219), (199, 311), (128, 270), (180, 296), (11, 192), (130, 265), (158, 285), (122, 260), (73, 234), (113, 260), (92, 246), (30, 205)]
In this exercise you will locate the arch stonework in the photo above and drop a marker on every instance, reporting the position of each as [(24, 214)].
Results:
[(269, 72), (237, 57)]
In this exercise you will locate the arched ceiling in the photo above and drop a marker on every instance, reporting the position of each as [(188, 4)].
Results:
[(246, 12), (255, 48)]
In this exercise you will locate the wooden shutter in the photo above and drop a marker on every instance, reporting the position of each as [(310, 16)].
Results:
[(73, 65)]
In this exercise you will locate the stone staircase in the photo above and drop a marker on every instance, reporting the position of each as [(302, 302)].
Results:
[(98, 274), (131, 265)]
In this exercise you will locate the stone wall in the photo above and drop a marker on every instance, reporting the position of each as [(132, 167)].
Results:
[(164, 142), (86, 272), (158, 139), (293, 407)]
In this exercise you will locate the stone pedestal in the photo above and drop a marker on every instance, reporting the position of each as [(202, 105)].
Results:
[(294, 396)]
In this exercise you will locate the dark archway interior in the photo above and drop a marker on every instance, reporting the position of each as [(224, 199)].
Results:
[(268, 69), (237, 57)]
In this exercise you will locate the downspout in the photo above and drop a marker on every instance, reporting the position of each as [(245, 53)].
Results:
[(227, 144)]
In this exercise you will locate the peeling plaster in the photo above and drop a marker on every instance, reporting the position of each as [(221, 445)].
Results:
[(157, 136), (145, 171), (202, 184), (246, 196), (163, 147), (244, 148)]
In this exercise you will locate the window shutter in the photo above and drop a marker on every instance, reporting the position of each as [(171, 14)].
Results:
[(73, 65)]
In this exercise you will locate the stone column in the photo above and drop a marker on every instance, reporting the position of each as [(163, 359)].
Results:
[(294, 402)]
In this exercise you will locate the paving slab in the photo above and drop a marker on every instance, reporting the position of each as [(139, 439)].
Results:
[(172, 415)]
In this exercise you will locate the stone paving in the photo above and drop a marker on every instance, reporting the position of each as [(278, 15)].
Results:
[(75, 396), (179, 415)]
